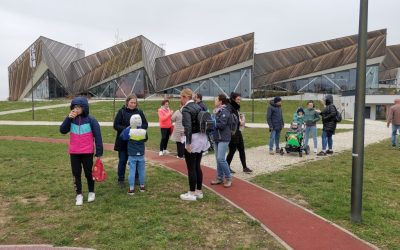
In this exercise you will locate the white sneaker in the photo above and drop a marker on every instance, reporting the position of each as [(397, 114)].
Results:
[(315, 150), (199, 195), (165, 152), (161, 153), (188, 197), (91, 197), (79, 200)]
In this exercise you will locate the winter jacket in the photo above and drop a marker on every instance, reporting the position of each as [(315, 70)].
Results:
[(136, 139), (394, 115), (164, 117), (83, 129), (274, 116), (311, 117), (202, 106), (178, 127), (297, 119), (121, 122), (329, 115), (222, 128), (189, 120)]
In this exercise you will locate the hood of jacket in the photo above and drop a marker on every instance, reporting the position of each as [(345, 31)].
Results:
[(272, 103), (83, 102), (329, 100)]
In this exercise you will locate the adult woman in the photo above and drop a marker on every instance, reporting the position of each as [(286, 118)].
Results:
[(329, 125), (222, 137), (195, 144), (121, 122), (311, 117), (164, 118), (177, 133)]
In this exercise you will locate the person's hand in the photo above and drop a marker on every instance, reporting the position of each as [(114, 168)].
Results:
[(388, 125), (98, 157), (241, 123), (72, 114), (189, 148), (318, 111)]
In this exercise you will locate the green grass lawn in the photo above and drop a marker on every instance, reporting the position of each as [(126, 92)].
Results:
[(37, 206), (324, 187), (103, 111), (6, 105)]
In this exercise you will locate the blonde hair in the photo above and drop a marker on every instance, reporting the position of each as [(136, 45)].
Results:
[(187, 93), (130, 97)]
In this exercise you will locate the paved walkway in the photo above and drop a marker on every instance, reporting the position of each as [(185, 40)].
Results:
[(259, 160), (292, 225)]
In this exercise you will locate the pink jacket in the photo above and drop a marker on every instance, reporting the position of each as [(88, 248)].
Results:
[(164, 117)]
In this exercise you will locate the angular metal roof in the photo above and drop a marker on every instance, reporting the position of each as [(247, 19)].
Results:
[(293, 62), (390, 66)]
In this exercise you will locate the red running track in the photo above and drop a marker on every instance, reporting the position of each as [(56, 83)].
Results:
[(293, 225)]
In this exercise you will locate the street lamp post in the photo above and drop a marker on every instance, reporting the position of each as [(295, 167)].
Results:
[(32, 64), (359, 117)]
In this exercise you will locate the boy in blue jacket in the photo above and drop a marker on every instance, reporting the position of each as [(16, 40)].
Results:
[(136, 137)]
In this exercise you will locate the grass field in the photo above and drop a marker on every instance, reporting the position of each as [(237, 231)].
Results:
[(37, 207), (6, 105), (103, 111), (324, 187)]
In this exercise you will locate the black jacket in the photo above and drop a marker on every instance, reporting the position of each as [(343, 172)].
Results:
[(189, 120), (122, 121), (329, 115)]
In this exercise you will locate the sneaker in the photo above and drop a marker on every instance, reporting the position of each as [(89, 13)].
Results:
[(322, 153), (199, 195), (161, 153), (216, 181), (91, 196), (142, 189), (271, 152), (166, 152), (79, 200), (247, 170), (231, 170), (228, 183), (131, 191), (329, 152), (188, 197), (277, 150), (121, 184), (315, 150), (393, 145)]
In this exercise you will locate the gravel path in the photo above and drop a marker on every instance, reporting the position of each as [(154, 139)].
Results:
[(259, 160)]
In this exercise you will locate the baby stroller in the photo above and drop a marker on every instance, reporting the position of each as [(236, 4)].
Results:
[(294, 141)]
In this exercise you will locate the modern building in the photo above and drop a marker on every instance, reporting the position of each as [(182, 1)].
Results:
[(61, 70)]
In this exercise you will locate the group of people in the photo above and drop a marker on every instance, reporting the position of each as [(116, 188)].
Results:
[(183, 126), (306, 118)]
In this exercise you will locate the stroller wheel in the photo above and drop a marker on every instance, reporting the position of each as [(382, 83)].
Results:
[(300, 154), (281, 151)]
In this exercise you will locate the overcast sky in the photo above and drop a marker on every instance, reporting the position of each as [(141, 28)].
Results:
[(183, 24)]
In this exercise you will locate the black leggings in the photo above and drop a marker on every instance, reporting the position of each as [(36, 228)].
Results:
[(77, 162), (237, 144), (194, 170), (180, 149), (165, 132)]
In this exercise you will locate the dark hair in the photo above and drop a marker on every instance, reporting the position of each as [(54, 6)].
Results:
[(235, 95), (164, 102), (130, 97), (311, 101), (200, 96), (223, 99)]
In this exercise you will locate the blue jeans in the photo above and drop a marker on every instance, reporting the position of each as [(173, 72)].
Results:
[(274, 137), (222, 165), (122, 160), (326, 140), (395, 128), (136, 162), (313, 130)]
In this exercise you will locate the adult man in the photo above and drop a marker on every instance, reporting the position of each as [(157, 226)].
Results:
[(236, 142), (394, 118)]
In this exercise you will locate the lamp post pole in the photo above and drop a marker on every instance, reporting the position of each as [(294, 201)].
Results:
[(32, 64), (359, 117)]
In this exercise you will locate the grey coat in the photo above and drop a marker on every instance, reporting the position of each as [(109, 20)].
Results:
[(178, 127)]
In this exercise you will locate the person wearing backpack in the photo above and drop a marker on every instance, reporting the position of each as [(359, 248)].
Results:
[(222, 137), (236, 142), (83, 129), (329, 120), (195, 144), (275, 123)]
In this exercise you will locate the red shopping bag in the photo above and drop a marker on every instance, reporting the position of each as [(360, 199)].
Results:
[(98, 172)]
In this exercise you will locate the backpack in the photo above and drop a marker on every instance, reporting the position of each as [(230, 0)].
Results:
[(233, 123), (338, 117), (206, 122)]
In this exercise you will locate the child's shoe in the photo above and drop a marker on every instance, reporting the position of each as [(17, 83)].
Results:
[(91, 197), (188, 196), (142, 189), (79, 200), (131, 191)]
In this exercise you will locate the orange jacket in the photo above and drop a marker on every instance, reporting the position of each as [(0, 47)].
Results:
[(164, 117)]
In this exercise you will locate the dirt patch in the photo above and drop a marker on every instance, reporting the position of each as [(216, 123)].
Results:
[(299, 199), (4, 216), (40, 200)]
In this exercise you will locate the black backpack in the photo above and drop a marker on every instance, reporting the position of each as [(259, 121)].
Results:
[(233, 123), (206, 122), (338, 117)]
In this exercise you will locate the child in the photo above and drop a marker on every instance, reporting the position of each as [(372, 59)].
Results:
[(298, 117), (83, 128), (136, 137)]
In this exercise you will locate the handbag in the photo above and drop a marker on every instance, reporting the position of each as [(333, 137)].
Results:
[(98, 172)]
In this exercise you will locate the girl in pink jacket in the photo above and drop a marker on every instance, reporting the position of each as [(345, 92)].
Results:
[(164, 117)]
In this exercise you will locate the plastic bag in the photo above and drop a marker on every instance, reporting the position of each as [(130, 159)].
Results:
[(98, 172)]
